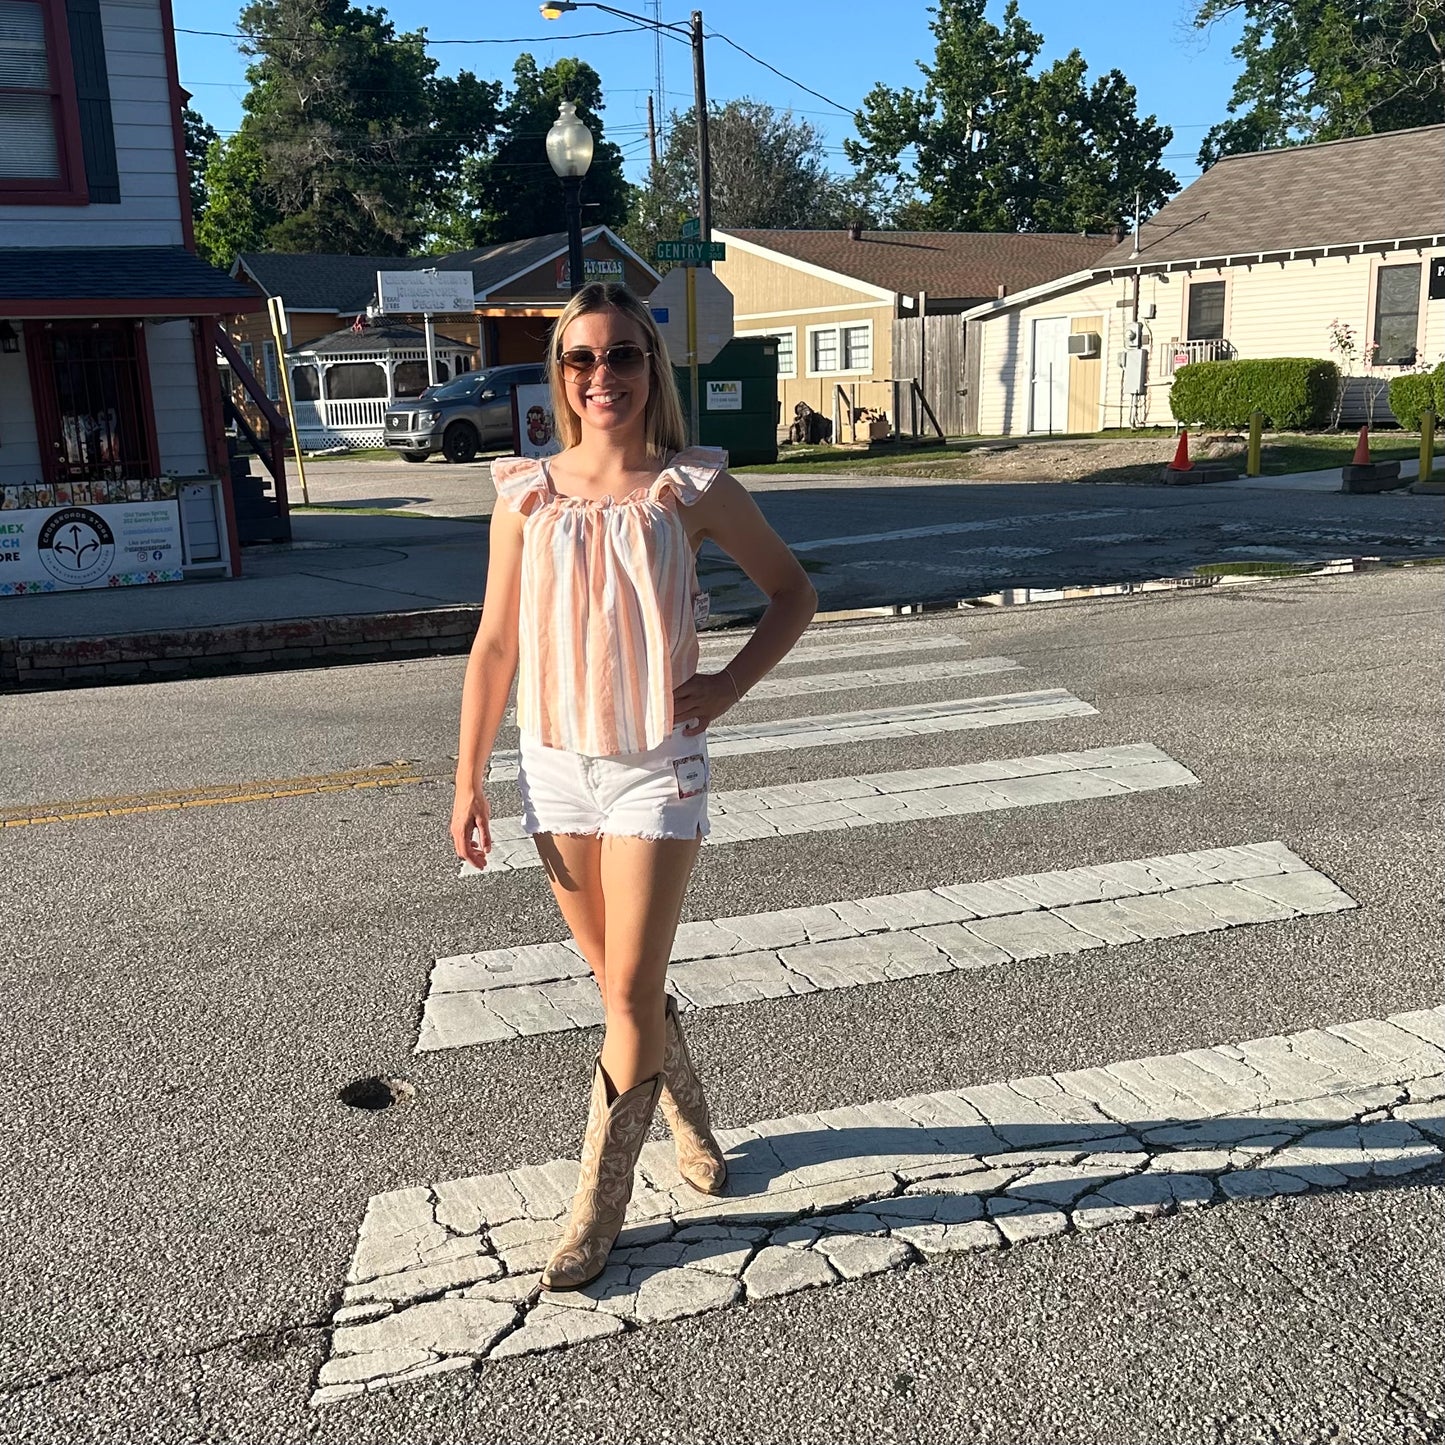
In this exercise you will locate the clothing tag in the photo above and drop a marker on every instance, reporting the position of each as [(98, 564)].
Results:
[(691, 775), (701, 607)]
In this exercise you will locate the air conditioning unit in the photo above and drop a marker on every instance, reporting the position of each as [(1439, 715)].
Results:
[(1083, 343)]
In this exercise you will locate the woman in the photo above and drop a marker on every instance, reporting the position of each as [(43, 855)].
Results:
[(592, 592)]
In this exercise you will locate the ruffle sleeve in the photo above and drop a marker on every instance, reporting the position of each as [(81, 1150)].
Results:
[(690, 473), (518, 480)]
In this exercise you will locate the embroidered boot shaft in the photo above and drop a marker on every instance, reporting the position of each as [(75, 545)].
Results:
[(614, 1138), (684, 1105)]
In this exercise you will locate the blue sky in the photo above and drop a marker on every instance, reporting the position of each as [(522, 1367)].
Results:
[(840, 48)]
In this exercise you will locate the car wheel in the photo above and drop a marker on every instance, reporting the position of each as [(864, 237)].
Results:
[(460, 443), (416, 456)]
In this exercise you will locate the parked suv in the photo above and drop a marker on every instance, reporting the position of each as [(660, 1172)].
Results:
[(459, 419)]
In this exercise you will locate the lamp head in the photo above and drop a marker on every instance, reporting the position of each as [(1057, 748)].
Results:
[(569, 144), (556, 9)]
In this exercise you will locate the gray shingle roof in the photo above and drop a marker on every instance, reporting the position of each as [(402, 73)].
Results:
[(1373, 188), (114, 273), (346, 284), (949, 265)]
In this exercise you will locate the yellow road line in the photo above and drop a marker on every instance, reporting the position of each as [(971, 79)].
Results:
[(392, 775)]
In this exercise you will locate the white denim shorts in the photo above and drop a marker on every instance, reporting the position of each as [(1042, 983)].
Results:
[(660, 793)]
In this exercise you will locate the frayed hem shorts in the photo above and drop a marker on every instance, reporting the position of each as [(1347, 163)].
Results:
[(660, 793)]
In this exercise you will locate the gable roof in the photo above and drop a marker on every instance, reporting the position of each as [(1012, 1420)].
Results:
[(38, 278), (1365, 191), (347, 284), (949, 265)]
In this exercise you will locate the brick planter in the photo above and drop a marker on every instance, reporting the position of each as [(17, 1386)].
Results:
[(1373, 477)]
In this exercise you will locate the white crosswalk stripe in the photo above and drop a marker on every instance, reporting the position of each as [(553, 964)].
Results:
[(445, 1276), (876, 798), (545, 988), (834, 648), (894, 723)]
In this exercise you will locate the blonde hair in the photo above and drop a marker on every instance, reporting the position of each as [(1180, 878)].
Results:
[(665, 429)]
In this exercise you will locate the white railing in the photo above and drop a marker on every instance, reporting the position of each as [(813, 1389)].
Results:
[(1185, 353), (349, 415)]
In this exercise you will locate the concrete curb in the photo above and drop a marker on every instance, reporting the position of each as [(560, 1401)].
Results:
[(55, 662)]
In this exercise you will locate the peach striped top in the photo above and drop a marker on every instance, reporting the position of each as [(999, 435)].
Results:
[(606, 627)]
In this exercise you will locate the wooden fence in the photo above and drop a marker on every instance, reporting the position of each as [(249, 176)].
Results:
[(930, 348)]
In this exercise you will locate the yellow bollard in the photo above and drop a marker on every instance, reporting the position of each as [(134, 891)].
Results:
[(1427, 445), (1256, 427)]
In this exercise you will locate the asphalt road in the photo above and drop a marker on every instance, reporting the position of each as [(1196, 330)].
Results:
[(188, 989)]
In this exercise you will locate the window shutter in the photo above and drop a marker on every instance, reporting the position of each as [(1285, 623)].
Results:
[(92, 93)]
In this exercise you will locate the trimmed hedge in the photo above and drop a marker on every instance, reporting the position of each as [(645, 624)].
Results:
[(1413, 392), (1293, 392)]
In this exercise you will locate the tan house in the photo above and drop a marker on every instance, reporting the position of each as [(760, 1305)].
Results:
[(1257, 258), (846, 306), (348, 364)]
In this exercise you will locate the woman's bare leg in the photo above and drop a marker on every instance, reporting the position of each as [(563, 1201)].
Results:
[(573, 866), (643, 883)]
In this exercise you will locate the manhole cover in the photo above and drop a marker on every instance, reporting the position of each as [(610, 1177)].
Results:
[(376, 1093)]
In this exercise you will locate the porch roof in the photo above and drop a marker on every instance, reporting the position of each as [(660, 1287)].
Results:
[(385, 338), (89, 281)]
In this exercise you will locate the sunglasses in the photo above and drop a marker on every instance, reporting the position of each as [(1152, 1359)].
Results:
[(625, 360)]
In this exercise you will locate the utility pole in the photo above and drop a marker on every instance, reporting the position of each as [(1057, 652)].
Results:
[(704, 155), (652, 137)]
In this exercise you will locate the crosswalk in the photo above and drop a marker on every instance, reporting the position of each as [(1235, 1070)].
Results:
[(445, 1273)]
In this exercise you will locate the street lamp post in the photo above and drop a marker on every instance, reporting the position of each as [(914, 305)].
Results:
[(692, 33), (569, 149)]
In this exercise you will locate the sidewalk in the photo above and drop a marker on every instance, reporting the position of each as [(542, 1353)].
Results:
[(349, 587)]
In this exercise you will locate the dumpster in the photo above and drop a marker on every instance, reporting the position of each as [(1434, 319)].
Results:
[(737, 401)]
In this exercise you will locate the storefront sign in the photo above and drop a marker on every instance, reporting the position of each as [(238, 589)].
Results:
[(48, 548), (724, 396), (534, 432), (592, 270)]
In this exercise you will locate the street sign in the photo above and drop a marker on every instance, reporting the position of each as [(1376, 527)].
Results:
[(689, 253), (692, 228), (714, 306), (415, 293)]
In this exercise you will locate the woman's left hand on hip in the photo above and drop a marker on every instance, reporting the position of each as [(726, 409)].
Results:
[(704, 697)]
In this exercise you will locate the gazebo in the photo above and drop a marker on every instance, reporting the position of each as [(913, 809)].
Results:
[(342, 383)]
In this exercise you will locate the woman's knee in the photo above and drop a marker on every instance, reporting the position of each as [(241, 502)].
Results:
[(633, 996)]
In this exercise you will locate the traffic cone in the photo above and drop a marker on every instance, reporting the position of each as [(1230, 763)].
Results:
[(1362, 449), (1181, 462)]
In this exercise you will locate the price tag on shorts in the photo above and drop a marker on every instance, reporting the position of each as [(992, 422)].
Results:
[(691, 775), (701, 607)]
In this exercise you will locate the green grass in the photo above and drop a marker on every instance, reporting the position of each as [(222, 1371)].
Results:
[(341, 509), (1317, 452), (361, 454)]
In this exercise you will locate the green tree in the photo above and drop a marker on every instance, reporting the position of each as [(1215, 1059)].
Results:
[(1317, 70), (989, 143), (510, 191), (200, 133), (768, 172), (348, 133)]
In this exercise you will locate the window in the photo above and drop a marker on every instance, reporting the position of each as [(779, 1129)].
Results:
[(39, 133), (1397, 315), (825, 350), (355, 381), (272, 379), (787, 339), (409, 377), (248, 355), (1206, 311), (838, 349), (94, 401), (858, 348), (305, 384)]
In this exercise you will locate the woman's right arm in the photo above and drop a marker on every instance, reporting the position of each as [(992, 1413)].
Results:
[(490, 669)]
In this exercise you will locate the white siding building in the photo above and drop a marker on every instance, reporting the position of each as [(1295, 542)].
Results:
[(1258, 258), (113, 465)]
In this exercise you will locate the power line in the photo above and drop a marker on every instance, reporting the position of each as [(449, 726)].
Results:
[(818, 94)]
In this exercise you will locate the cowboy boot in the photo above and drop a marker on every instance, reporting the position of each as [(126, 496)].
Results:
[(616, 1129), (684, 1105)]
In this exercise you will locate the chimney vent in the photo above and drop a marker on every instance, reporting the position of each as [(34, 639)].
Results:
[(855, 230), (1002, 290)]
